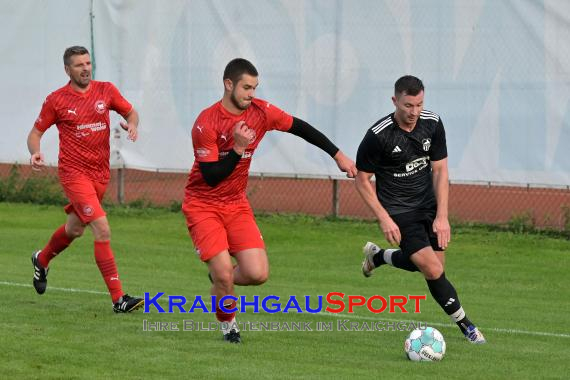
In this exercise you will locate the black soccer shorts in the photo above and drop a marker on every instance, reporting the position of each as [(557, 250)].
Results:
[(416, 228)]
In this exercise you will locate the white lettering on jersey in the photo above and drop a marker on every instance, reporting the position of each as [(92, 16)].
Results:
[(418, 163), (202, 152)]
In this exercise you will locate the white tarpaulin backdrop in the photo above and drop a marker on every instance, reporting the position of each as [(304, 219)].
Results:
[(498, 73)]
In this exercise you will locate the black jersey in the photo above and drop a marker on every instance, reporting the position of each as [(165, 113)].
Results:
[(400, 161)]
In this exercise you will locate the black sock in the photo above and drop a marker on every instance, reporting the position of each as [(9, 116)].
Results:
[(378, 258), (399, 260), (445, 295), (396, 258)]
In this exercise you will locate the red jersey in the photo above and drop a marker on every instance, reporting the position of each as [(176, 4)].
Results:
[(82, 120), (212, 138)]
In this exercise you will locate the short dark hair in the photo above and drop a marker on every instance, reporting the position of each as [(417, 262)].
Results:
[(71, 51), (237, 67), (408, 84)]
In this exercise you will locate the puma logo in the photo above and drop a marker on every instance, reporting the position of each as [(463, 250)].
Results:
[(72, 111), (199, 128)]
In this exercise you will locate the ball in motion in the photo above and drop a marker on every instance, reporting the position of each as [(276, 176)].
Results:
[(425, 345)]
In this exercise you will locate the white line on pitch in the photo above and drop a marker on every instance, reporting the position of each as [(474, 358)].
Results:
[(69, 290), (337, 315), (500, 330)]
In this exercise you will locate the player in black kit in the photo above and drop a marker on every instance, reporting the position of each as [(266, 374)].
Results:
[(407, 153)]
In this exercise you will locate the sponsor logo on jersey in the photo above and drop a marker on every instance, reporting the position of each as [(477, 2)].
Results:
[(87, 210), (397, 149), (202, 152), (418, 163), (100, 106), (246, 154), (85, 129), (414, 166)]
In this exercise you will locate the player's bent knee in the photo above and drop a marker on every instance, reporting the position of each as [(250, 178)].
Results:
[(101, 229), (255, 276), (433, 272), (223, 279), (75, 232), (258, 278), (102, 233), (103, 236)]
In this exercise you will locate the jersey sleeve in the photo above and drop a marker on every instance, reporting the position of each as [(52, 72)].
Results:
[(47, 116), (439, 144), (368, 153), (277, 119), (204, 141), (117, 102)]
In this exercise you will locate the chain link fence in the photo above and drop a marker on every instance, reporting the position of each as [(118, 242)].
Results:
[(521, 207)]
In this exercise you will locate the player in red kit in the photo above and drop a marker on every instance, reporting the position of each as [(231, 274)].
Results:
[(80, 110), (218, 214)]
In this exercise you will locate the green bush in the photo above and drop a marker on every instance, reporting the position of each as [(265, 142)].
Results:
[(566, 216), (522, 223), (39, 189)]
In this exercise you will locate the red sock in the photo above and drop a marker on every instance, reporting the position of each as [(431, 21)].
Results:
[(58, 242), (106, 263), (226, 317)]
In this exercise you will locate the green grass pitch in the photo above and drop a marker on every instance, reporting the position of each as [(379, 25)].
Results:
[(514, 287)]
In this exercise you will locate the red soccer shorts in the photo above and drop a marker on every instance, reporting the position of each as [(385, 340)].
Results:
[(85, 197), (216, 228)]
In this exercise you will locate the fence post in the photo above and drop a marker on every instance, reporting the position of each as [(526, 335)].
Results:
[(335, 198), (121, 185)]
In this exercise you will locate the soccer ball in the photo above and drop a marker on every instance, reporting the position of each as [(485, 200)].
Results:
[(425, 345)]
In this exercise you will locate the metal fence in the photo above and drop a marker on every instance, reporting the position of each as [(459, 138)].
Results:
[(526, 206)]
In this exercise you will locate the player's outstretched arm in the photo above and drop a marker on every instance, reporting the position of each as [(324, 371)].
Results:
[(37, 157), (345, 164), (310, 134), (131, 125)]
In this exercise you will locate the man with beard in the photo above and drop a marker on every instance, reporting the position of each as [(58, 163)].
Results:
[(218, 215), (407, 153), (80, 110)]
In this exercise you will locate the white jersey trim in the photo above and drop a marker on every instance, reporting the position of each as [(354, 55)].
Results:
[(429, 115), (377, 129)]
